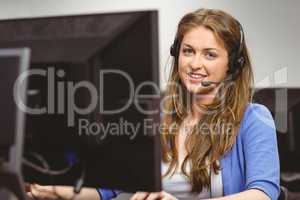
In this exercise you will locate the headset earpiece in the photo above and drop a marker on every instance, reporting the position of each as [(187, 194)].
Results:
[(241, 61), (174, 49), (236, 58)]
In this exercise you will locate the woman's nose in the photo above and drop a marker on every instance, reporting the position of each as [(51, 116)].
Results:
[(196, 63)]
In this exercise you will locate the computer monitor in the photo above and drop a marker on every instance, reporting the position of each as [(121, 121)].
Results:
[(83, 71), (284, 104), (13, 65)]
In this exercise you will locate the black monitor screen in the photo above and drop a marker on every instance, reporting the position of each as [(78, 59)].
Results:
[(82, 67), (9, 70)]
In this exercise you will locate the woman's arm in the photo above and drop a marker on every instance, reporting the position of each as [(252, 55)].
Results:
[(261, 157), (246, 195), (260, 150)]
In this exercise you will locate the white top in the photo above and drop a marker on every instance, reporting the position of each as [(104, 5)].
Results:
[(179, 186)]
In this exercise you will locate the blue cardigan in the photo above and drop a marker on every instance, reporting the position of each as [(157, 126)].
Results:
[(253, 161)]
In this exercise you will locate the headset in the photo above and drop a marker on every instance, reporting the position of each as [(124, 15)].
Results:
[(236, 58)]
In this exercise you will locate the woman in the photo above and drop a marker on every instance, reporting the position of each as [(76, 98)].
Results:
[(217, 144), (222, 138)]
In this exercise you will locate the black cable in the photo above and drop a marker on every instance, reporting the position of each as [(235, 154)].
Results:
[(46, 168)]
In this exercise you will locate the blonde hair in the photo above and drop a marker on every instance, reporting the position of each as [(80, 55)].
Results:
[(206, 147)]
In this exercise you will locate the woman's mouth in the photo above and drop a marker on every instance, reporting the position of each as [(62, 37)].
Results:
[(195, 77)]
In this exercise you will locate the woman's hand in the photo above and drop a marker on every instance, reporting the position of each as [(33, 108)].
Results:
[(38, 192), (153, 196), (35, 191)]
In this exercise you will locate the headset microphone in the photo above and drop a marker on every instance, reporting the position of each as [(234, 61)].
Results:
[(208, 83)]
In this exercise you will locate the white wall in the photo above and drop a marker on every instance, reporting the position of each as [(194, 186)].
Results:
[(272, 28)]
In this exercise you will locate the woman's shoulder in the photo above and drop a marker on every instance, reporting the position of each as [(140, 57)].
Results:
[(257, 117), (257, 109)]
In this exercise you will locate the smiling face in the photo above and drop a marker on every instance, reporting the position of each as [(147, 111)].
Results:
[(202, 58)]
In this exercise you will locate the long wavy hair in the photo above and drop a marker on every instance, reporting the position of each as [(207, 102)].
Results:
[(206, 144)]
